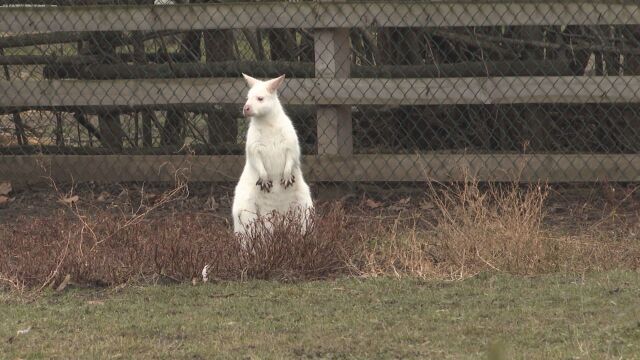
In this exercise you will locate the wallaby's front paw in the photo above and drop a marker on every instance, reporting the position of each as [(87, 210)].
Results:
[(265, 185), (286, 182)]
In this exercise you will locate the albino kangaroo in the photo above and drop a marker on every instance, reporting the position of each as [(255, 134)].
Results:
[(271, 179)]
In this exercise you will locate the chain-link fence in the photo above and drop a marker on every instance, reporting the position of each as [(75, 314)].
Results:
[(399, 91)]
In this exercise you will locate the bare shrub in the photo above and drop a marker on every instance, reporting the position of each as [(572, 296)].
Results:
[(41, 252), (280, 247), (176, 248)]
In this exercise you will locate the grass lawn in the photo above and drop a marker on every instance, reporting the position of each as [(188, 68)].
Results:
[(596, 316)]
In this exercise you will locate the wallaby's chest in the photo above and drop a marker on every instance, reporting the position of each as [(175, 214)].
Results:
[(272, 143), (270, 139)]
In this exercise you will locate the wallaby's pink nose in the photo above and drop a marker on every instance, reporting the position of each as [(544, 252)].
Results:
[(246, 111)]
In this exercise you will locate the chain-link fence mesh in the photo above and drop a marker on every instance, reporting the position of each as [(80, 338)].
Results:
[(129, 90)]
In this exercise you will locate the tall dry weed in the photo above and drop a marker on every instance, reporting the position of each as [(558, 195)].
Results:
[(500, 227)]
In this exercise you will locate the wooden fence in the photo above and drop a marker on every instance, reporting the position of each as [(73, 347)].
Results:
[(335, 87)]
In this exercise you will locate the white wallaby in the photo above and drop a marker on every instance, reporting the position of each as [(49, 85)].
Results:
[(271, 179)]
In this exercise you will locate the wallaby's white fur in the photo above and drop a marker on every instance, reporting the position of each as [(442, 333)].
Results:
[(271, 179)]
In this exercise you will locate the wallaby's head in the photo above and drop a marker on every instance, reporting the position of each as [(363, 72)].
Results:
[(262, 98)]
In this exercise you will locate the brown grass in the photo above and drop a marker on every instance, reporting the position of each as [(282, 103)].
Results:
[(470, 229), (496, 228), (500, 228)]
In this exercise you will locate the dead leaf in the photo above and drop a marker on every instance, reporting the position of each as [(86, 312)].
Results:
[(64, 283), (70, 200), (372, 204), (103, 196), (426, 205), (346, 197), (192, 200), (5, 188), (23, 331), (397, 208)]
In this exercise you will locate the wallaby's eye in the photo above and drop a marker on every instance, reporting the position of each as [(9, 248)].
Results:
[(260, 98)]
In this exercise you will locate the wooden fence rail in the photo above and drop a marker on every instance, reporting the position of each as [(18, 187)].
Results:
[(324, 91), (315, 15), (375, 167)]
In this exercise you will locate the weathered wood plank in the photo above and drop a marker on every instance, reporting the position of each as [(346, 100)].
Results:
[(320, 91), (39, 39), (484, 167), (314, 15), (113, 168), (397, 168), (72, 61), (332, 61)]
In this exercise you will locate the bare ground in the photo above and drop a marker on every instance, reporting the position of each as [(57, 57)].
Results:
[(568, 207)]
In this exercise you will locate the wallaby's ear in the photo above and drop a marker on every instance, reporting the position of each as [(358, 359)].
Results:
[(250, 81), (274, 84)]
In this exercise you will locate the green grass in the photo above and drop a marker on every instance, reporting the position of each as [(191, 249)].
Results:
[(595, 316)]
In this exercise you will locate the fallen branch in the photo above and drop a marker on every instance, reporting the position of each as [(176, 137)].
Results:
[(81, 118), (62, 37), (77, 60), (486, 40), (43, 39)]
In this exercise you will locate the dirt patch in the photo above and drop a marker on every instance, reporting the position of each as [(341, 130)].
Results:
[(566, 206), (45, 201)]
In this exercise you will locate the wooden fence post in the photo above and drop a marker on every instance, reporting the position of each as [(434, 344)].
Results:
[(334, 127)]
